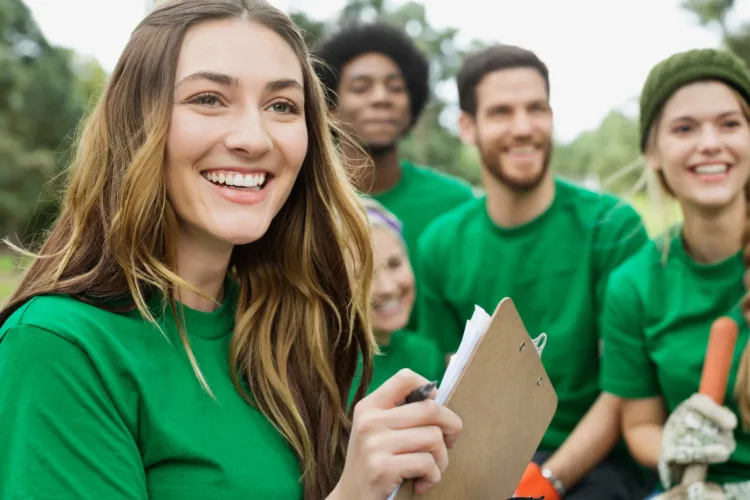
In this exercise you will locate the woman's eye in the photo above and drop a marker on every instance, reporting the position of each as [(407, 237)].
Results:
[(206, 100)]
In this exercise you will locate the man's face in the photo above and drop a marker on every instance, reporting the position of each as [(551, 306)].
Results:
[(512, 127), (374, 101)]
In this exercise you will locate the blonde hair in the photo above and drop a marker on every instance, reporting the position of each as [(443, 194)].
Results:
[(299, 328)]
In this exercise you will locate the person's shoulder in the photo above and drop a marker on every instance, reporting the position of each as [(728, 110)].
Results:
[(638, 266), (602, 203), (69, 318), (444, 180)]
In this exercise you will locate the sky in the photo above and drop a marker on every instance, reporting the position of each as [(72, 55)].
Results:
[(598, 51)]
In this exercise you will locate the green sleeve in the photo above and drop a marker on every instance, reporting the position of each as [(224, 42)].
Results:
[(621, 233), (60, 434), (437, 319), (626, 369)]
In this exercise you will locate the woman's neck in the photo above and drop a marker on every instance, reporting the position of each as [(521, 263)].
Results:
[(203, 264), (710, 238), (382, 338)]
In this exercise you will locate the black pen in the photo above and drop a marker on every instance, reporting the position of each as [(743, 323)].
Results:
[(420, 393)]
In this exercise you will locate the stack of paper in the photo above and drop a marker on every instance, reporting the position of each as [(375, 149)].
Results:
[(474, 330)]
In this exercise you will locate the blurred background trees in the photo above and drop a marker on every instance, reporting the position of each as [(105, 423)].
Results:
[(45, 90)]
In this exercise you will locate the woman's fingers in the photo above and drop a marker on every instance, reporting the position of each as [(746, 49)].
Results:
[(425, 413)]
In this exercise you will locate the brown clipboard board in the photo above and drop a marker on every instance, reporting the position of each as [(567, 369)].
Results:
[(506, 402)]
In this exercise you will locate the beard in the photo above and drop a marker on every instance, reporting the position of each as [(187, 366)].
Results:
[(491, 160)]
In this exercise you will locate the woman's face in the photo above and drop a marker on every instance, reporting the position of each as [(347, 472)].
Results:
[(393, 289), (237, 136), (703, 145)]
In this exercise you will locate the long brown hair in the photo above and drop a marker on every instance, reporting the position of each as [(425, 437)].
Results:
[(742, 384), (300, 327)]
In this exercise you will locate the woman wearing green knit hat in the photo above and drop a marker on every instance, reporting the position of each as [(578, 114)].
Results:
[(661, 303)]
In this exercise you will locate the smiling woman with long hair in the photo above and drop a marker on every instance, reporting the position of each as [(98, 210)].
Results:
[(186, 330)]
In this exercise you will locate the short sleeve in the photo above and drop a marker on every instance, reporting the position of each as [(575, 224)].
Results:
[(621, 233), (60, 433), (626, 369)]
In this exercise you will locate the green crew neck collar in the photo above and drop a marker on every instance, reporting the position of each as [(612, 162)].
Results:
[(206, 325), (529, 226), (730, 267)]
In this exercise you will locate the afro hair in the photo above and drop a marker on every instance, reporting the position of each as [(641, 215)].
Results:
[(357, 39)]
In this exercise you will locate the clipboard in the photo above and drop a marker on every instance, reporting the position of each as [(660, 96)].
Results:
[(506, 402)]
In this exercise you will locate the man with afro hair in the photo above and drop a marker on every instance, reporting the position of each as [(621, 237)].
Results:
[(377, 84)]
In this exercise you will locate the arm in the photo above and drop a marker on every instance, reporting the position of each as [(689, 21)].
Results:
[(436, 317), (621, 233), (642, 427), (58, 426), (590, 442)]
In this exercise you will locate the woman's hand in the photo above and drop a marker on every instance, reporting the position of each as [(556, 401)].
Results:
[(391, 443), (697, 432)]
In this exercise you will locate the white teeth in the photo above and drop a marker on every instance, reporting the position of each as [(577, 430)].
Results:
[(237, 180), (718, 168), (388, 306)]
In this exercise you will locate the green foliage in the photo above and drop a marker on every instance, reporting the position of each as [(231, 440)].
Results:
[(715, 13), (43, 93), (602, 153)]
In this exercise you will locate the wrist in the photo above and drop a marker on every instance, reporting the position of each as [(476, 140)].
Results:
[(553, 480)]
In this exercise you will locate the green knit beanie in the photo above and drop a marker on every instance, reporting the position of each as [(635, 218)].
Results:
[(682, 68)]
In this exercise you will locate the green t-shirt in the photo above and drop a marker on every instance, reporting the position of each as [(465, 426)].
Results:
[(421, 195), (405, 350), (99, 405), (554, 268), (656, 324)]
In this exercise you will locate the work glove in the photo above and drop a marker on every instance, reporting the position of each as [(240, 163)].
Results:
[(698, 431)]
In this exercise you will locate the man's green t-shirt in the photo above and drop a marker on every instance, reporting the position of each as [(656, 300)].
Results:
[(554, 268), (655, 325), (421, 195), (405, 350), (95, 404)]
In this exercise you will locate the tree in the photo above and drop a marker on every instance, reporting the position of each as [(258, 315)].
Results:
[(43, 92), (602, 154), (716, 13)]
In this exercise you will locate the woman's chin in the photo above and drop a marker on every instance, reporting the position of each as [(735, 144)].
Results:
[(389, 325), (241, 235)]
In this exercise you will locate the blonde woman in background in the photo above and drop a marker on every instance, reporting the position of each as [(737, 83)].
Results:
[(188, 331), (695, 130), (392, 299)]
